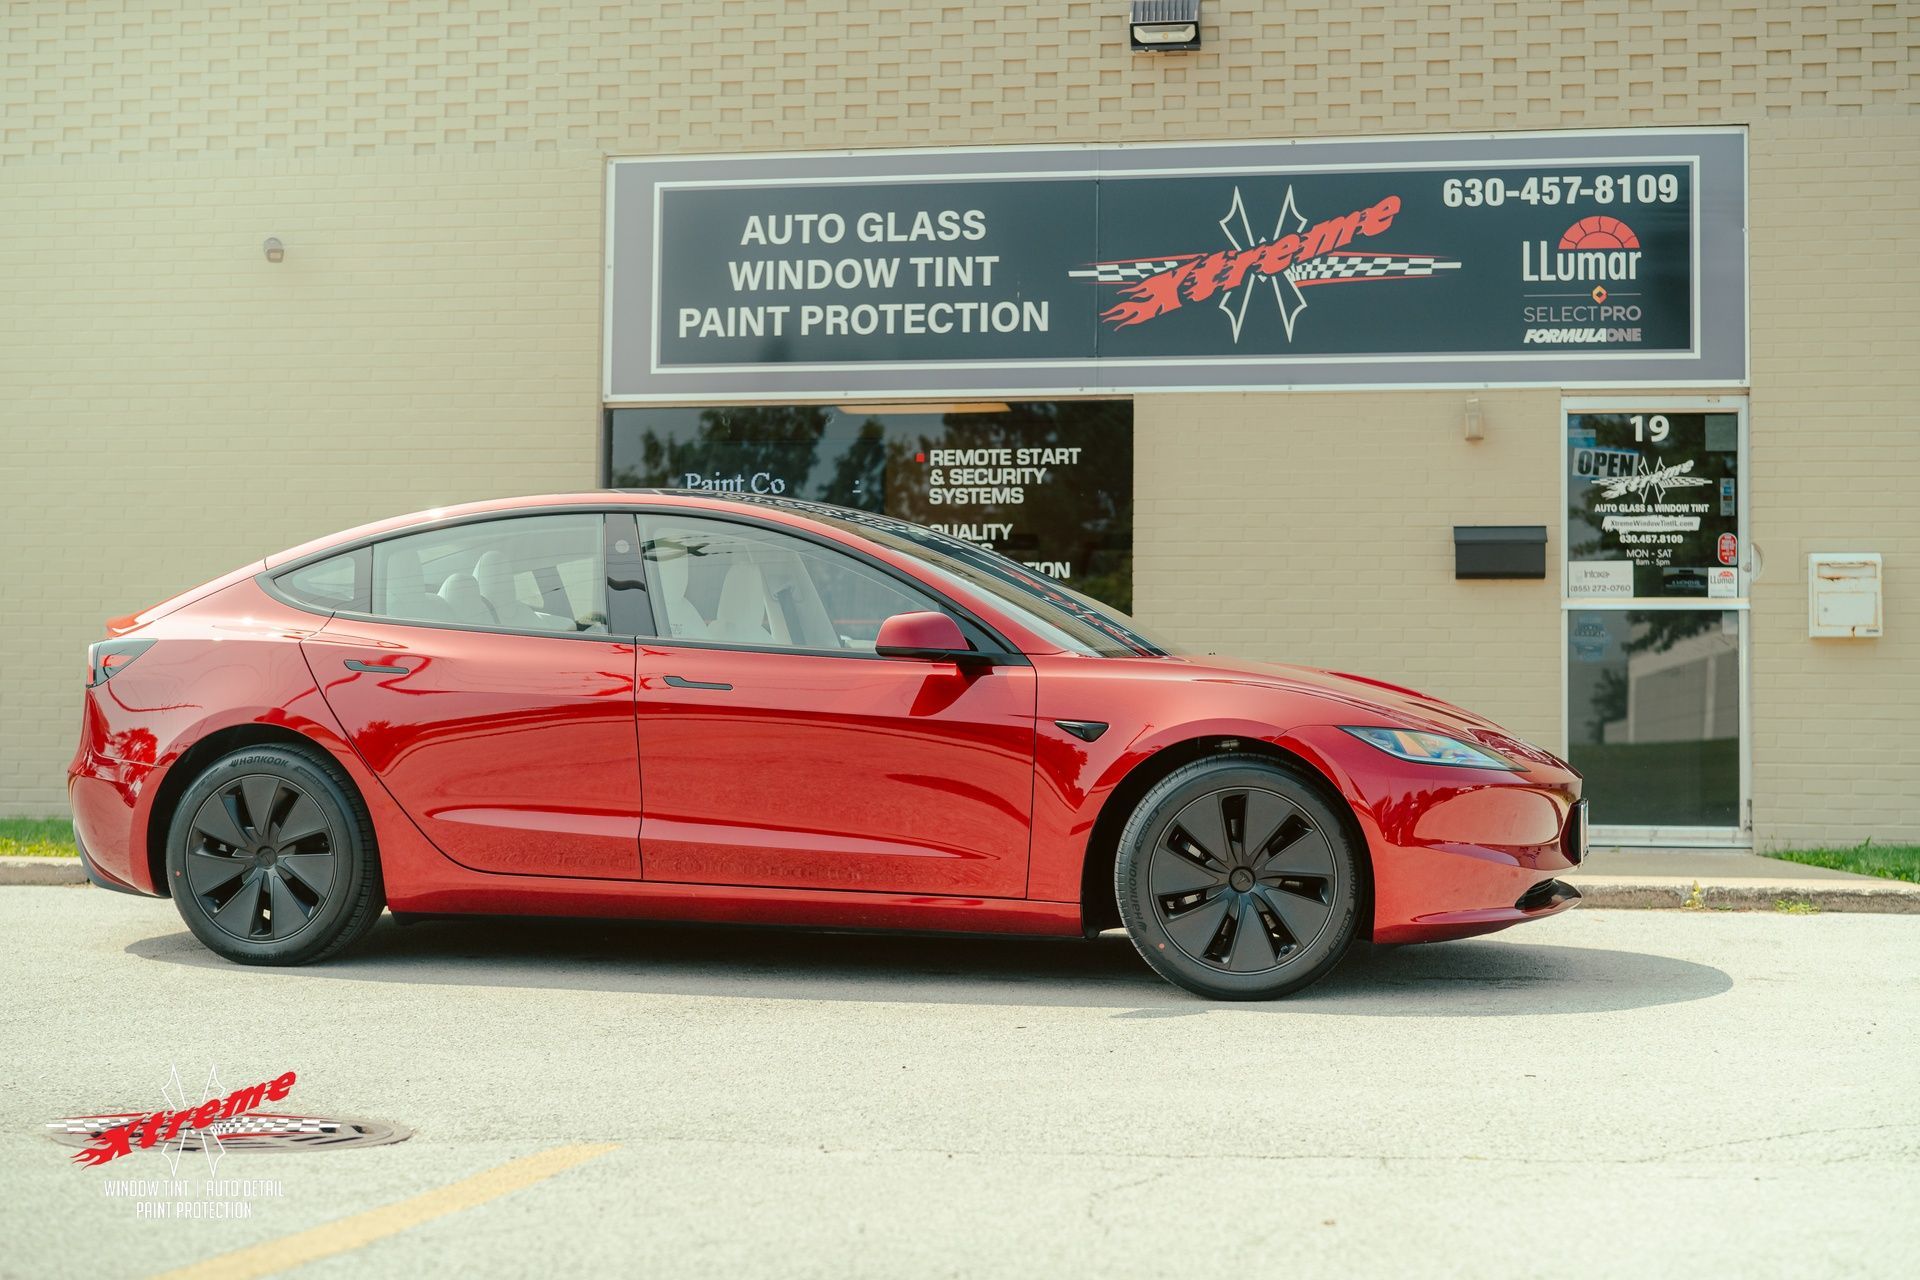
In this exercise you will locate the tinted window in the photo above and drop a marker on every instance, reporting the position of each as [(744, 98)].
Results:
[(528, 573), (1048, 483), (713, 580), (338, 582), (1077, 623)]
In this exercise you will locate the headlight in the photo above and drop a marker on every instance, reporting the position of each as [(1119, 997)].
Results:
[(1430, 748)]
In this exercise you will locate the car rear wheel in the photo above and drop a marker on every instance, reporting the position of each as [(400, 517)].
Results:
[(271, 858), (1236, 880)]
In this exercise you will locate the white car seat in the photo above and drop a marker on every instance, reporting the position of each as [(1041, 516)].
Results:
[(495, 579), (683, 619), (405, 591), (463, 598), (743, 615)]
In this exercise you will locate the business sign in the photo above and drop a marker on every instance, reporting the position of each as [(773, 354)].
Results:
[(1651, 509), (1559, 259)]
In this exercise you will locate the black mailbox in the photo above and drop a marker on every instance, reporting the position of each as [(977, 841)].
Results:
[(1499, 551)]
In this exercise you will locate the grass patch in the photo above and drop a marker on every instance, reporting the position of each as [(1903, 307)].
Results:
[(37, 838), (1891, 861)]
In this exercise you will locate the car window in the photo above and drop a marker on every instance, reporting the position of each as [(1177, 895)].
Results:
[(743, 584), (1049, 609), (338, 582), (525, 573)]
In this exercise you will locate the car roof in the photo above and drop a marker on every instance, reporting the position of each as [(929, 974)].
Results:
[(594, 498), (841, 521)]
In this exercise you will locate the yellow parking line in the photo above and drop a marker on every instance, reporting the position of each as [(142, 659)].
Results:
[(376, 1224)]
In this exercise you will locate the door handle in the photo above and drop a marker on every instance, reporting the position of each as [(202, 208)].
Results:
[(375, 668), (680, 682)]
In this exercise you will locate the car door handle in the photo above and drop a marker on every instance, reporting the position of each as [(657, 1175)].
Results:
[(680, 682), (375, 668)]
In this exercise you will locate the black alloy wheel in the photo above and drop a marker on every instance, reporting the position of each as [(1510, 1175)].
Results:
[(271, 858), (1236, 880)]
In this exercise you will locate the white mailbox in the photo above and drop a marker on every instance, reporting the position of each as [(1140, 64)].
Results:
[(1843, 594)]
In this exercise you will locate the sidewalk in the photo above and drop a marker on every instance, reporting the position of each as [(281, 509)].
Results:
[(1635, 878), (1723, 879)]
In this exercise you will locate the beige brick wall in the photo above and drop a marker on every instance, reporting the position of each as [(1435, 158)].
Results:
[(1318, 528), (171, 405), (1835, 467), (299, 79)]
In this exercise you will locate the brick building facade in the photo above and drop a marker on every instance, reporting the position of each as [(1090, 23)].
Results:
[(173, 405)]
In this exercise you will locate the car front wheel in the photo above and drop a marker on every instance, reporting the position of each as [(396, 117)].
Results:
[(1237, 881), (271, 858)]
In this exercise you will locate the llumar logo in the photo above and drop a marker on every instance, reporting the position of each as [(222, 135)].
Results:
[(1594, 248), (1295, 257), (170, 1128)]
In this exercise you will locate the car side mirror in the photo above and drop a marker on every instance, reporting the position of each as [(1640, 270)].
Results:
[(933, 637)]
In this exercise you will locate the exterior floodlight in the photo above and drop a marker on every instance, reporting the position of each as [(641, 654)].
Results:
[(275, 250), (1164, 26)]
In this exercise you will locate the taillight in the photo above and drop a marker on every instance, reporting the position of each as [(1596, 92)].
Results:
[(107, 658)]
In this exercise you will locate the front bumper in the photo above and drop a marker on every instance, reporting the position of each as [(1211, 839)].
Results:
[(1459, 852)]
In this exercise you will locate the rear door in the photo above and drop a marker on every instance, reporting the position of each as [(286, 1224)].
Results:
[(779, 750), (491, 692)]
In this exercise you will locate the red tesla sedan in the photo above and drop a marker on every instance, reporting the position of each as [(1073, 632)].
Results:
[(732, 709)]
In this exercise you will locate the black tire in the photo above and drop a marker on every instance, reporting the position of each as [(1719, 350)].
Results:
[(1236, 880), (271, 858)]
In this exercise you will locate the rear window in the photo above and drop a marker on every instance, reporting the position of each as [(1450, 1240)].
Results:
[(339, 582)]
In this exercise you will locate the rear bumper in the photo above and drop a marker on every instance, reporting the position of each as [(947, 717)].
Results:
[(98, 878), (110, 799)]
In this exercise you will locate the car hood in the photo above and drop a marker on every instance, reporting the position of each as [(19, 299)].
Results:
[(1368, 697)]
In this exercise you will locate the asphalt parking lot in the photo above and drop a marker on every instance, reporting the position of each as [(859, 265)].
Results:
[(1656, 1093)]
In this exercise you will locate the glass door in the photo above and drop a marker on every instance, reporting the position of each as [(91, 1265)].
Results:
[(1655, 606)]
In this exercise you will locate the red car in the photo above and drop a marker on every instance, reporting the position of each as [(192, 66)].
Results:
[(731, 709)]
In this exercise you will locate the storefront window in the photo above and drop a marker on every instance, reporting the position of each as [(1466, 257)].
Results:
[(1048, 484)]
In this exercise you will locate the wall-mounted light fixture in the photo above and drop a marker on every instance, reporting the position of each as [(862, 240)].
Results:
[(275, 250), (1473, 423), (1164, 26)]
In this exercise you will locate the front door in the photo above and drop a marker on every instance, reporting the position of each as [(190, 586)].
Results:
[(1656, 618), (780, 751), (491, 697)]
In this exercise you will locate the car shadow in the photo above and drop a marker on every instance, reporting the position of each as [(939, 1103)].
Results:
[(1473, 978)]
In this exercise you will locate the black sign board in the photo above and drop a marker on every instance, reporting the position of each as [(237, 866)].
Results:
[(1652, 506), (1046, 484), (1593, 257)]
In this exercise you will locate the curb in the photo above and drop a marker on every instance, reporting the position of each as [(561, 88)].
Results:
[(19, 870), (1613, 893), (1866, 896)]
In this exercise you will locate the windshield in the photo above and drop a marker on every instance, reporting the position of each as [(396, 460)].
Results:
[(1077, 623)]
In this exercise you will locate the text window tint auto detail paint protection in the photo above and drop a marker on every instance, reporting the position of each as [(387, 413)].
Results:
[(716, 580), (530, 573), (1047, 484)]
